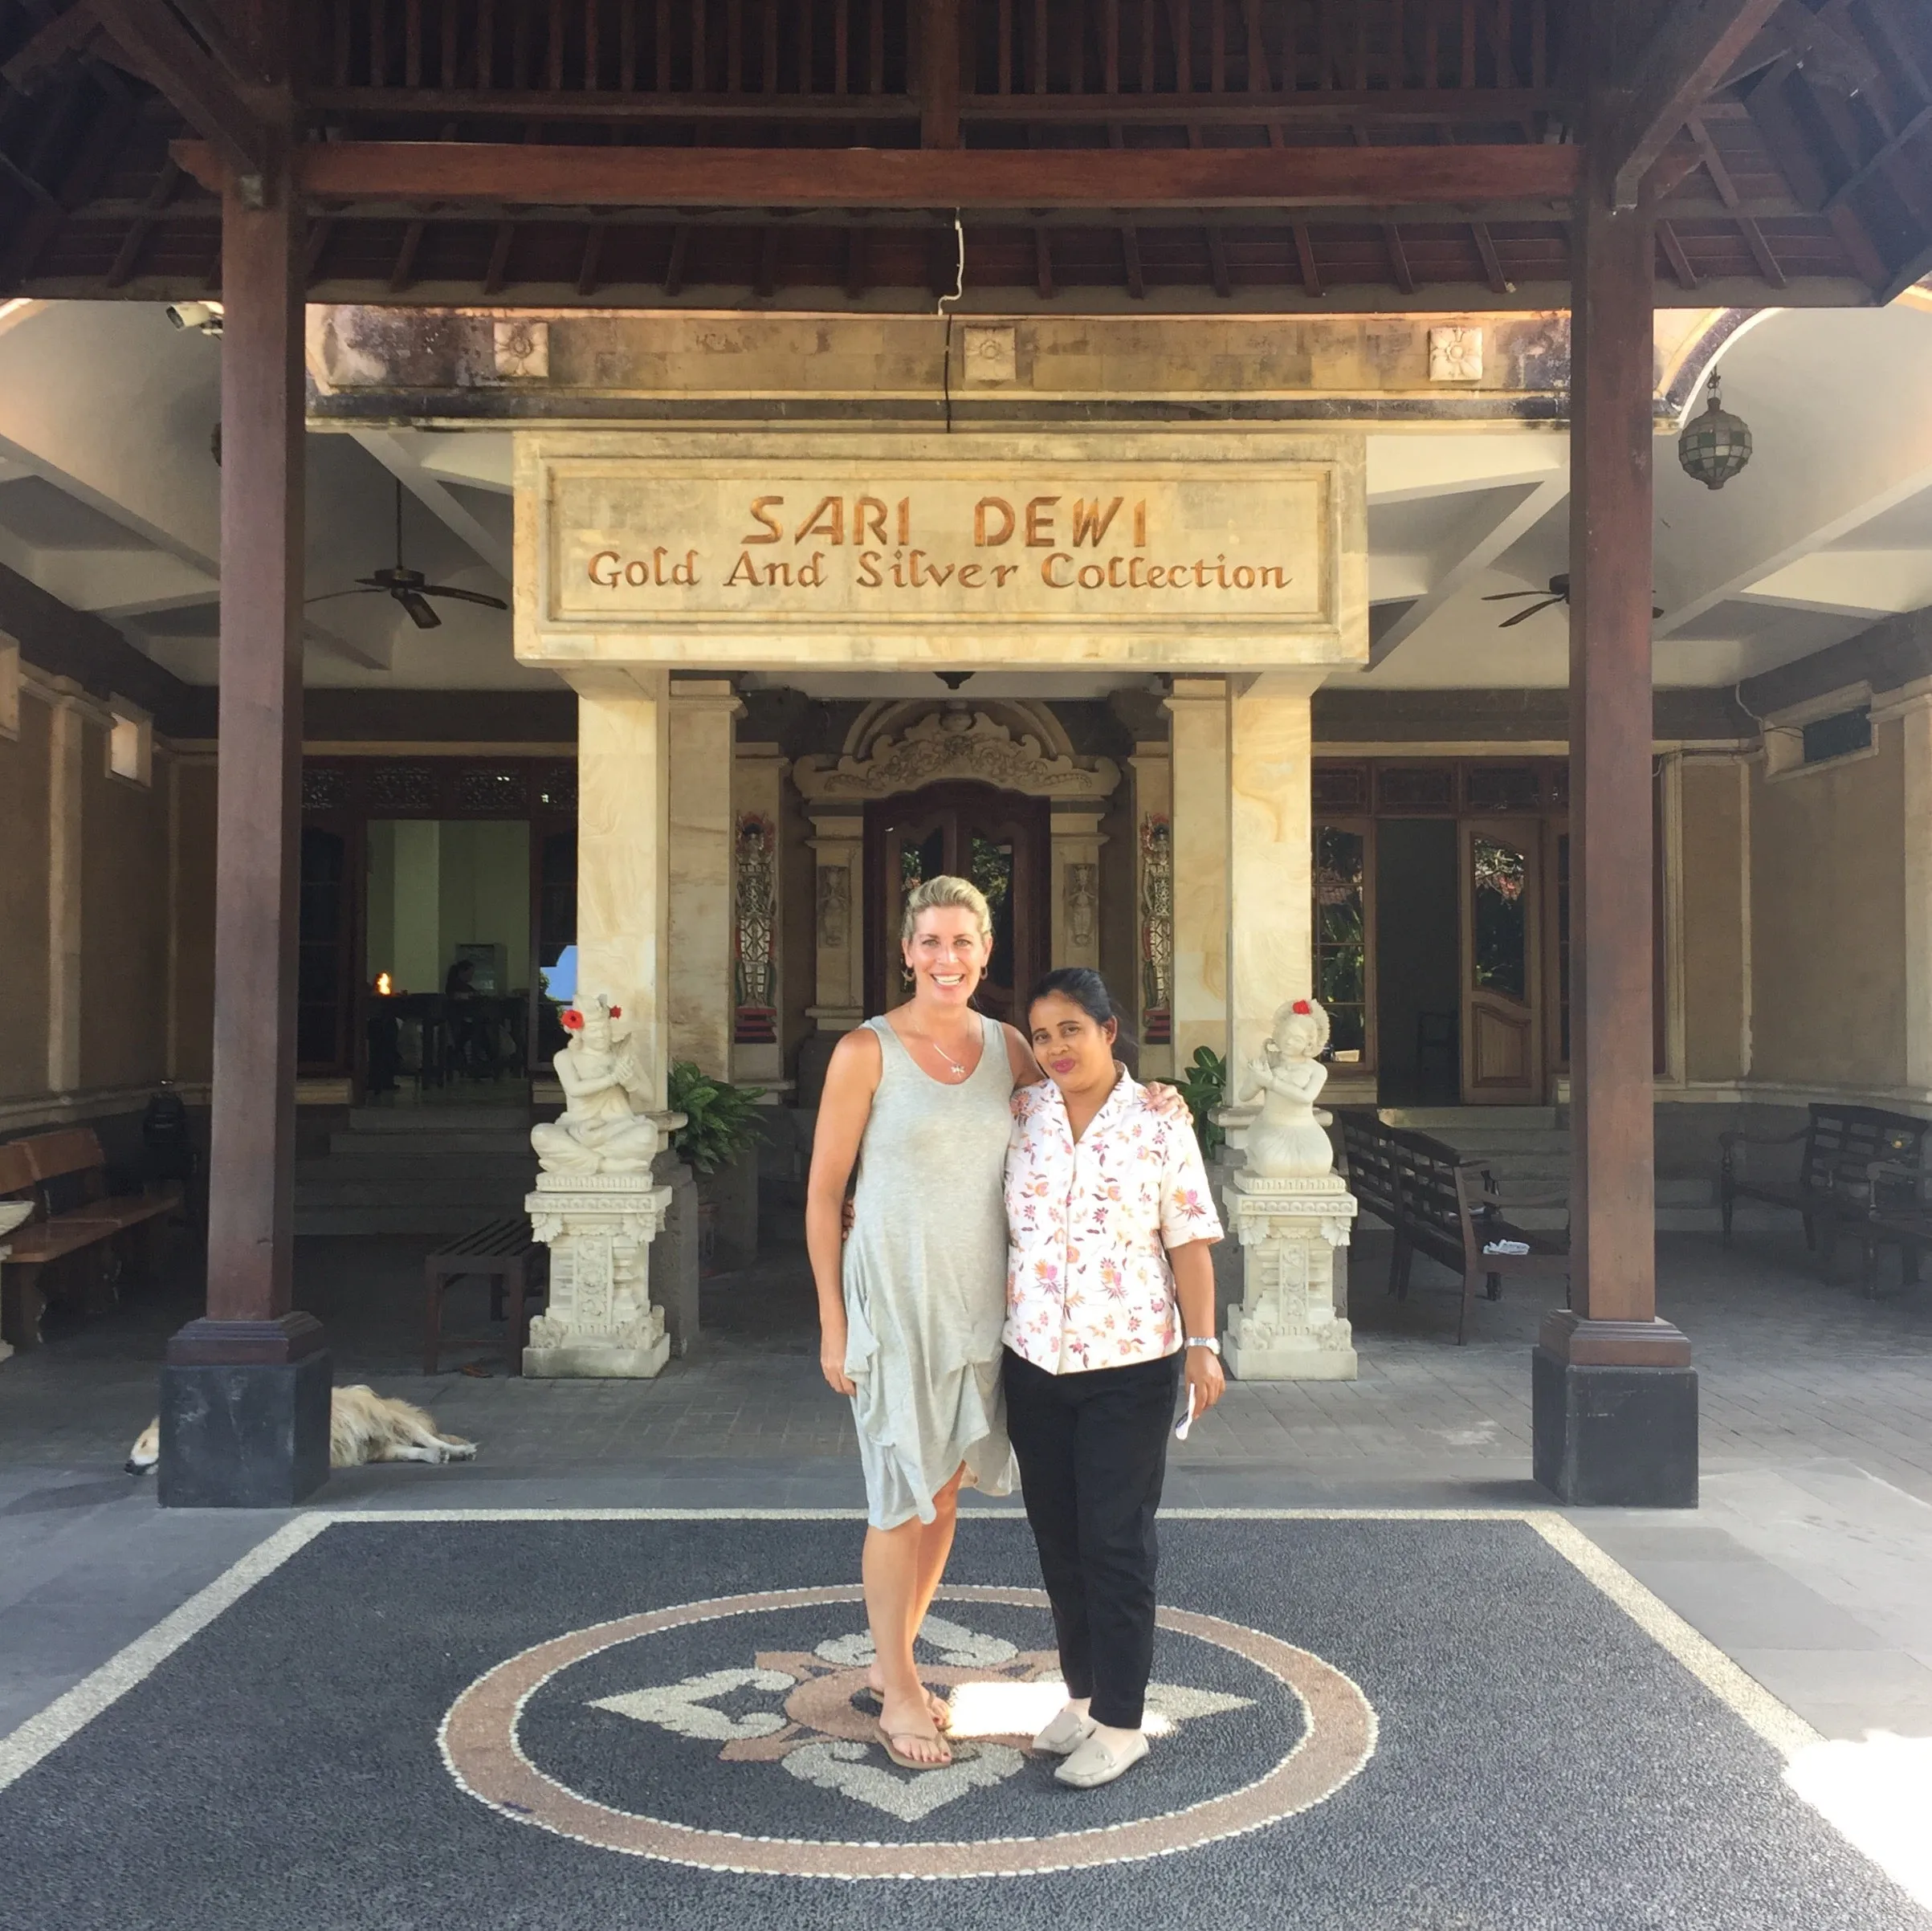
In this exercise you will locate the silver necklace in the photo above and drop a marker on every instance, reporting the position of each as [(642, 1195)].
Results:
[(959, 1072)]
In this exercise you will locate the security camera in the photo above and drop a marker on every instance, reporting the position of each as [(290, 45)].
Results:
[(204, 318)]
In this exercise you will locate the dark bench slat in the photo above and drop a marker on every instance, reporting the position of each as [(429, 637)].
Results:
[(1834, 1184), (1442, 1205)]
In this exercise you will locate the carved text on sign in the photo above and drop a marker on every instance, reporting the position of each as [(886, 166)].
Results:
[(1150, 546)]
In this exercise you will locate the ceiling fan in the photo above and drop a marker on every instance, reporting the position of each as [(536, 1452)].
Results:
[(410, 588), (1558, 593)]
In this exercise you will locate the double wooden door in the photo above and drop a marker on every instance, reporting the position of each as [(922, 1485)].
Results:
[(1001, 841), (1503, 1032)]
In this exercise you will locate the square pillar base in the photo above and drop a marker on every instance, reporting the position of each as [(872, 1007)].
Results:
[(1614, 1436), (601, 1324), (242, 1434), (596, 1361), (1288, 1357)]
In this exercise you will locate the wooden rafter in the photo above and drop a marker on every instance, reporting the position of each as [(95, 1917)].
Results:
[(1678, 69), (1727, 192), (190, 77), (127, 257), (408, 172)]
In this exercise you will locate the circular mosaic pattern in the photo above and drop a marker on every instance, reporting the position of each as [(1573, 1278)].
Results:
[(739, 1734)]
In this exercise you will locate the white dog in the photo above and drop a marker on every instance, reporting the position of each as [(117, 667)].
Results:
[(363, 1426)]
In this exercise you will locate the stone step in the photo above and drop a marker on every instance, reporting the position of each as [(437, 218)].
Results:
[(434, 1222), (483, 1194), (1443, 1121), (406, 1169), (485, 1140), (437, 1119)]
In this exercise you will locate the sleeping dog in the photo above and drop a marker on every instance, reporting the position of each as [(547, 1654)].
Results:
[(363, 1426)]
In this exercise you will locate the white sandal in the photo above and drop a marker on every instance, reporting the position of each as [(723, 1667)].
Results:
[(1097, 1762)]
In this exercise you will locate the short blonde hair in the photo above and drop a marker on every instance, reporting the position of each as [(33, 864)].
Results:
[(945, 889)]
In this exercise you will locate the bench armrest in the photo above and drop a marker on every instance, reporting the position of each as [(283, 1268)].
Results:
[(1493, 1204)]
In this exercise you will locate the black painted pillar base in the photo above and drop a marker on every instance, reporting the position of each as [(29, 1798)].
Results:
[(1614, 1435), (244, 1415)]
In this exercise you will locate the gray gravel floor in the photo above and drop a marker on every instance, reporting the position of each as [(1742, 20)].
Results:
[(1809, 1561)]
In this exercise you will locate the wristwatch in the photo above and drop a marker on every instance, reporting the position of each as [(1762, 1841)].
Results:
[(1210, 1343)]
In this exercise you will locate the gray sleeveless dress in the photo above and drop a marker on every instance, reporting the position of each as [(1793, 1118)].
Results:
[(925, 1281)]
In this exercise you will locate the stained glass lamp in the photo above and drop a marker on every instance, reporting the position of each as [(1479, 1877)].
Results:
[(1714, 445)]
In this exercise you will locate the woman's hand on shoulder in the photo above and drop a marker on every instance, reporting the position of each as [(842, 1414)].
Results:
[(1168, 1101)]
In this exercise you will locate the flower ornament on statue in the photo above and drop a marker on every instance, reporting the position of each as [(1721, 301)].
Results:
[(601, 1130), (1289, 1139)]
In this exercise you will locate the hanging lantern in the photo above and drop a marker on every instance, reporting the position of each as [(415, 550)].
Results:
[(1714, 445)]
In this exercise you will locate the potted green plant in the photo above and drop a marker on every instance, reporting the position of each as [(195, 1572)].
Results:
[(719, 1128), (1204, 1087)]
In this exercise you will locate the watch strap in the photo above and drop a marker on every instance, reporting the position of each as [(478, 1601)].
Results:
[(1208, 1343)]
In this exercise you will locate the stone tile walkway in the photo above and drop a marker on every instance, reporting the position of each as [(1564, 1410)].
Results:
[(1810, 1562)]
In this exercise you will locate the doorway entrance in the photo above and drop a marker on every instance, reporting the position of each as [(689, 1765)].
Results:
[(1000, 839), (1441, 927)]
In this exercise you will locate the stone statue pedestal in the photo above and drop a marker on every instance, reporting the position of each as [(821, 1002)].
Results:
[(601, 1323), (1291, 1324)]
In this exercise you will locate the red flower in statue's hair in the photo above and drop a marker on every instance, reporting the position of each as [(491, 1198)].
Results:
[(617, 1012), (1301, 1005), (572, 1020)]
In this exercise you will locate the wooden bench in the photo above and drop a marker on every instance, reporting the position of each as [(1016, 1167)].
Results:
[(65, 1175), (1442, 1205), (501, 1251), (1834, 1184), (1899, 1214)]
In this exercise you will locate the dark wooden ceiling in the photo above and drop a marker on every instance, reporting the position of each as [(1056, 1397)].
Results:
[(1807, 176)]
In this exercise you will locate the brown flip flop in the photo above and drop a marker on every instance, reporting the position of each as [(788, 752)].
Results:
[(910, 1763)]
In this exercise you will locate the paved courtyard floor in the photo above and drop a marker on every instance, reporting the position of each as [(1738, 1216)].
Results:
[(1808, 1565)]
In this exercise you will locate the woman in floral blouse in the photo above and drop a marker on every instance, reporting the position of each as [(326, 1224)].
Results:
[(1110, 1305)]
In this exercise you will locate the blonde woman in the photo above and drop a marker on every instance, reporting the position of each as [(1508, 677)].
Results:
[(910, 1315)]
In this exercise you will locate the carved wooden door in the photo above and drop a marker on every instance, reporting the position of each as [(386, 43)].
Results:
[(1502, 1042), (999, 840)]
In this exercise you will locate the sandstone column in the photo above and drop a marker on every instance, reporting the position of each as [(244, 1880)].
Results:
[(1292, 1322), (1074, 882), (1153, 781), (600, 1223), (1199, 707), (1270, 886), (702, 1006)]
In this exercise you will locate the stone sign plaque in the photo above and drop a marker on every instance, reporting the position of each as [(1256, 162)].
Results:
[(875, 554)]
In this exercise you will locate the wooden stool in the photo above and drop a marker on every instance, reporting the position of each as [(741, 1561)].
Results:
[(500, 1251)]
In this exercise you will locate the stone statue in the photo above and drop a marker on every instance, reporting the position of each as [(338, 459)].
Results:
[(599, 1131), (1287, 1140)]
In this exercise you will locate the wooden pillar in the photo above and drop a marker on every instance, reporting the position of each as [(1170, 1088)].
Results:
[(245, 1391), (1616, 1399)]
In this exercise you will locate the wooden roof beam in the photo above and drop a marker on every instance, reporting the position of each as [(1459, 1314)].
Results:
[(177, 64), (1676, 71), (545, 176)]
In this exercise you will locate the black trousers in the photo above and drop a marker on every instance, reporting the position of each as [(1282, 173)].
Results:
[(1093, 1451)]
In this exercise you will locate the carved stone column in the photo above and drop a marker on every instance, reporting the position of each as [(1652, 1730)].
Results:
[(758, 1039), (838, 917), (1073, 883), (1291, 1324), (1153, 769)]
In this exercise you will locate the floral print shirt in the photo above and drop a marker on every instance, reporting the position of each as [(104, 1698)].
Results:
[(1088, 1224)]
